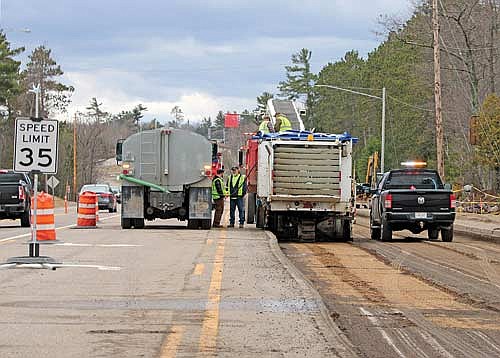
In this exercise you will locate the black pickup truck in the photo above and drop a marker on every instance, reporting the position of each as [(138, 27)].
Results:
[(15, 196), (415, 200)]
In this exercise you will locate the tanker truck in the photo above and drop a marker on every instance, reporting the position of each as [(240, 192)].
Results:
[(165, 174)]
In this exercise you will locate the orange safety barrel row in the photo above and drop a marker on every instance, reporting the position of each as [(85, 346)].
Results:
[(45, 224), (87, 203)]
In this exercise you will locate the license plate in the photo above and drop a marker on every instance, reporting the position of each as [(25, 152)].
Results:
[(420, 215)]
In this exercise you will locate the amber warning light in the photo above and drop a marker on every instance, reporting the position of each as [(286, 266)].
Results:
[(414, 164)]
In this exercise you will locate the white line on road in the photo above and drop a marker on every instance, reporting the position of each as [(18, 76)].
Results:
[(384, 334), (97, 245), (57, 228)]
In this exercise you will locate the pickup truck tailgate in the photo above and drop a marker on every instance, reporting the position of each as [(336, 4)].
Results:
[(414, 201), (9, 194)]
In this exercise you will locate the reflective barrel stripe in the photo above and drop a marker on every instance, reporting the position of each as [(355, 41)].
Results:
[(84, 216), (86, 206), (43, 212), (45, 227)]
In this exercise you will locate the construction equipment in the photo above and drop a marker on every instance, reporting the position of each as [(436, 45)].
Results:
[(166, 174), (371, 170), (300, 184)]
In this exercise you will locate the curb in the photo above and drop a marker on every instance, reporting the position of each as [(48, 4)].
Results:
[(343, 347)]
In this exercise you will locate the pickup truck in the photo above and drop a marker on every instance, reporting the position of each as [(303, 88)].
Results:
[(15, 196), (415, 200)]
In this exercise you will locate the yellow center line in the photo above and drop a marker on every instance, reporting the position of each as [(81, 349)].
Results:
[(210, 328), (169, 349), (198, 269)]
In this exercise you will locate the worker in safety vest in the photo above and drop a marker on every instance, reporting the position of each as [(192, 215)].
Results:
[(218, 195), (282, 123), (237, 188), (266, 125)]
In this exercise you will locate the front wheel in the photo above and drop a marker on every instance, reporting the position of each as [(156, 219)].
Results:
[(347, 230), (139, 223), (447, 234), (251, 198)]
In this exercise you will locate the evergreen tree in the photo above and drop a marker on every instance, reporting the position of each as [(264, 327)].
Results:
[(299, 83), (42, 69)]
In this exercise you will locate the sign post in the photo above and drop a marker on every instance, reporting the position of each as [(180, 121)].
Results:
[(36, 149)]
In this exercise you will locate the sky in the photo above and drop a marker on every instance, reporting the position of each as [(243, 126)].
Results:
[(203, 56)]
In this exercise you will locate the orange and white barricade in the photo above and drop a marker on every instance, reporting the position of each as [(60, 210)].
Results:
[(96, 208), (45, 224), (87, 209)]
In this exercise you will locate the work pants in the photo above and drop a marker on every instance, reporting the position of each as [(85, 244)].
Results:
[(233, 203), (219, 209)]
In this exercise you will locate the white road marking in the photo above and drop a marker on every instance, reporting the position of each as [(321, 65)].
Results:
[(96, 245), (56, 266), (435, 344), (384, 334), (57, 228)]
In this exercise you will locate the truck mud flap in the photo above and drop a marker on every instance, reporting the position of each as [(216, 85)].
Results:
[(132, 202), (200, 203)]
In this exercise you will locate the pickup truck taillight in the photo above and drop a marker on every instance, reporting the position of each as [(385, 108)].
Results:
[(388, 201), (453, 201), (22, 195)]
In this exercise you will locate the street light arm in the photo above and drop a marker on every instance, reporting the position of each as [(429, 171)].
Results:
[(348, 90)]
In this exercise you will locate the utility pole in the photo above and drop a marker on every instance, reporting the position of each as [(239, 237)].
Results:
[(437, 91), (74, 160)]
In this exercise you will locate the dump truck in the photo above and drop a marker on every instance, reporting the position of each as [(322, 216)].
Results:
[(301, 185), (166, 174)]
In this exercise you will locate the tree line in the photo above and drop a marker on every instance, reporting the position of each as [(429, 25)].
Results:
[(403, 64)]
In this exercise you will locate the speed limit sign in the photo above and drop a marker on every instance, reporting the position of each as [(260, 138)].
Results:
[(36, 145)]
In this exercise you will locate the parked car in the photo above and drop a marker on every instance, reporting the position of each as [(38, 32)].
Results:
[(118, 194), (105, 196), (15, 196)]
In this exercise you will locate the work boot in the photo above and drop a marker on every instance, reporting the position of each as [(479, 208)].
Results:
[(216, 225), (230, 225), (242, 226)]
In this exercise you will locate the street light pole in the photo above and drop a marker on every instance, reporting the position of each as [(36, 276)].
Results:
[(383, 99)]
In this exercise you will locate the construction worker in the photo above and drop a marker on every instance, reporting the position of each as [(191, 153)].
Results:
[(218, 196), (282, 123), (266, 126), (237, 188)]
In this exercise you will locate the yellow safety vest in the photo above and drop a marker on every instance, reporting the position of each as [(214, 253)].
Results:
[(285, 124), (264, 127)]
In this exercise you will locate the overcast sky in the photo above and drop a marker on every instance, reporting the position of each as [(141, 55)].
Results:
[(204, 56)]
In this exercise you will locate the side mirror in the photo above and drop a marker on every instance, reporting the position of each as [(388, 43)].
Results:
[(447, 186), (119, 151), (373, 191)]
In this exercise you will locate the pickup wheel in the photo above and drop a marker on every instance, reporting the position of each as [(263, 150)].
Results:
[(374, 231), (433, 234), (386, 230), (447, 234), (25, 218)]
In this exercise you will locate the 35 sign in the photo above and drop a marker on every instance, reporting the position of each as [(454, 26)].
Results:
[(36, 145)]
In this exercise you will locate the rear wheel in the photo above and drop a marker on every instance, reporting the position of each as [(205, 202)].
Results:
[(206, 224), (433, 234), (261, 217), (347, 230), (251, 197), (139, 223), (386, 231), (447, 234), (374, 231), (193, 224), (25, 218), (126, 223)]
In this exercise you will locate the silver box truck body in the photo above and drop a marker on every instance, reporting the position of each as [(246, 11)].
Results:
[(166, 174)]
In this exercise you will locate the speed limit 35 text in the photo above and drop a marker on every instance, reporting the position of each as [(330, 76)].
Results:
[(38, 128)]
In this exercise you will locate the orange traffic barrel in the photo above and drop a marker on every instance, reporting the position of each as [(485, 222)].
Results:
[(87, 209), (45, 225), (96, 208)]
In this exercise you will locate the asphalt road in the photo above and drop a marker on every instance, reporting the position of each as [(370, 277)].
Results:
[(164, 291), (409, 297)]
